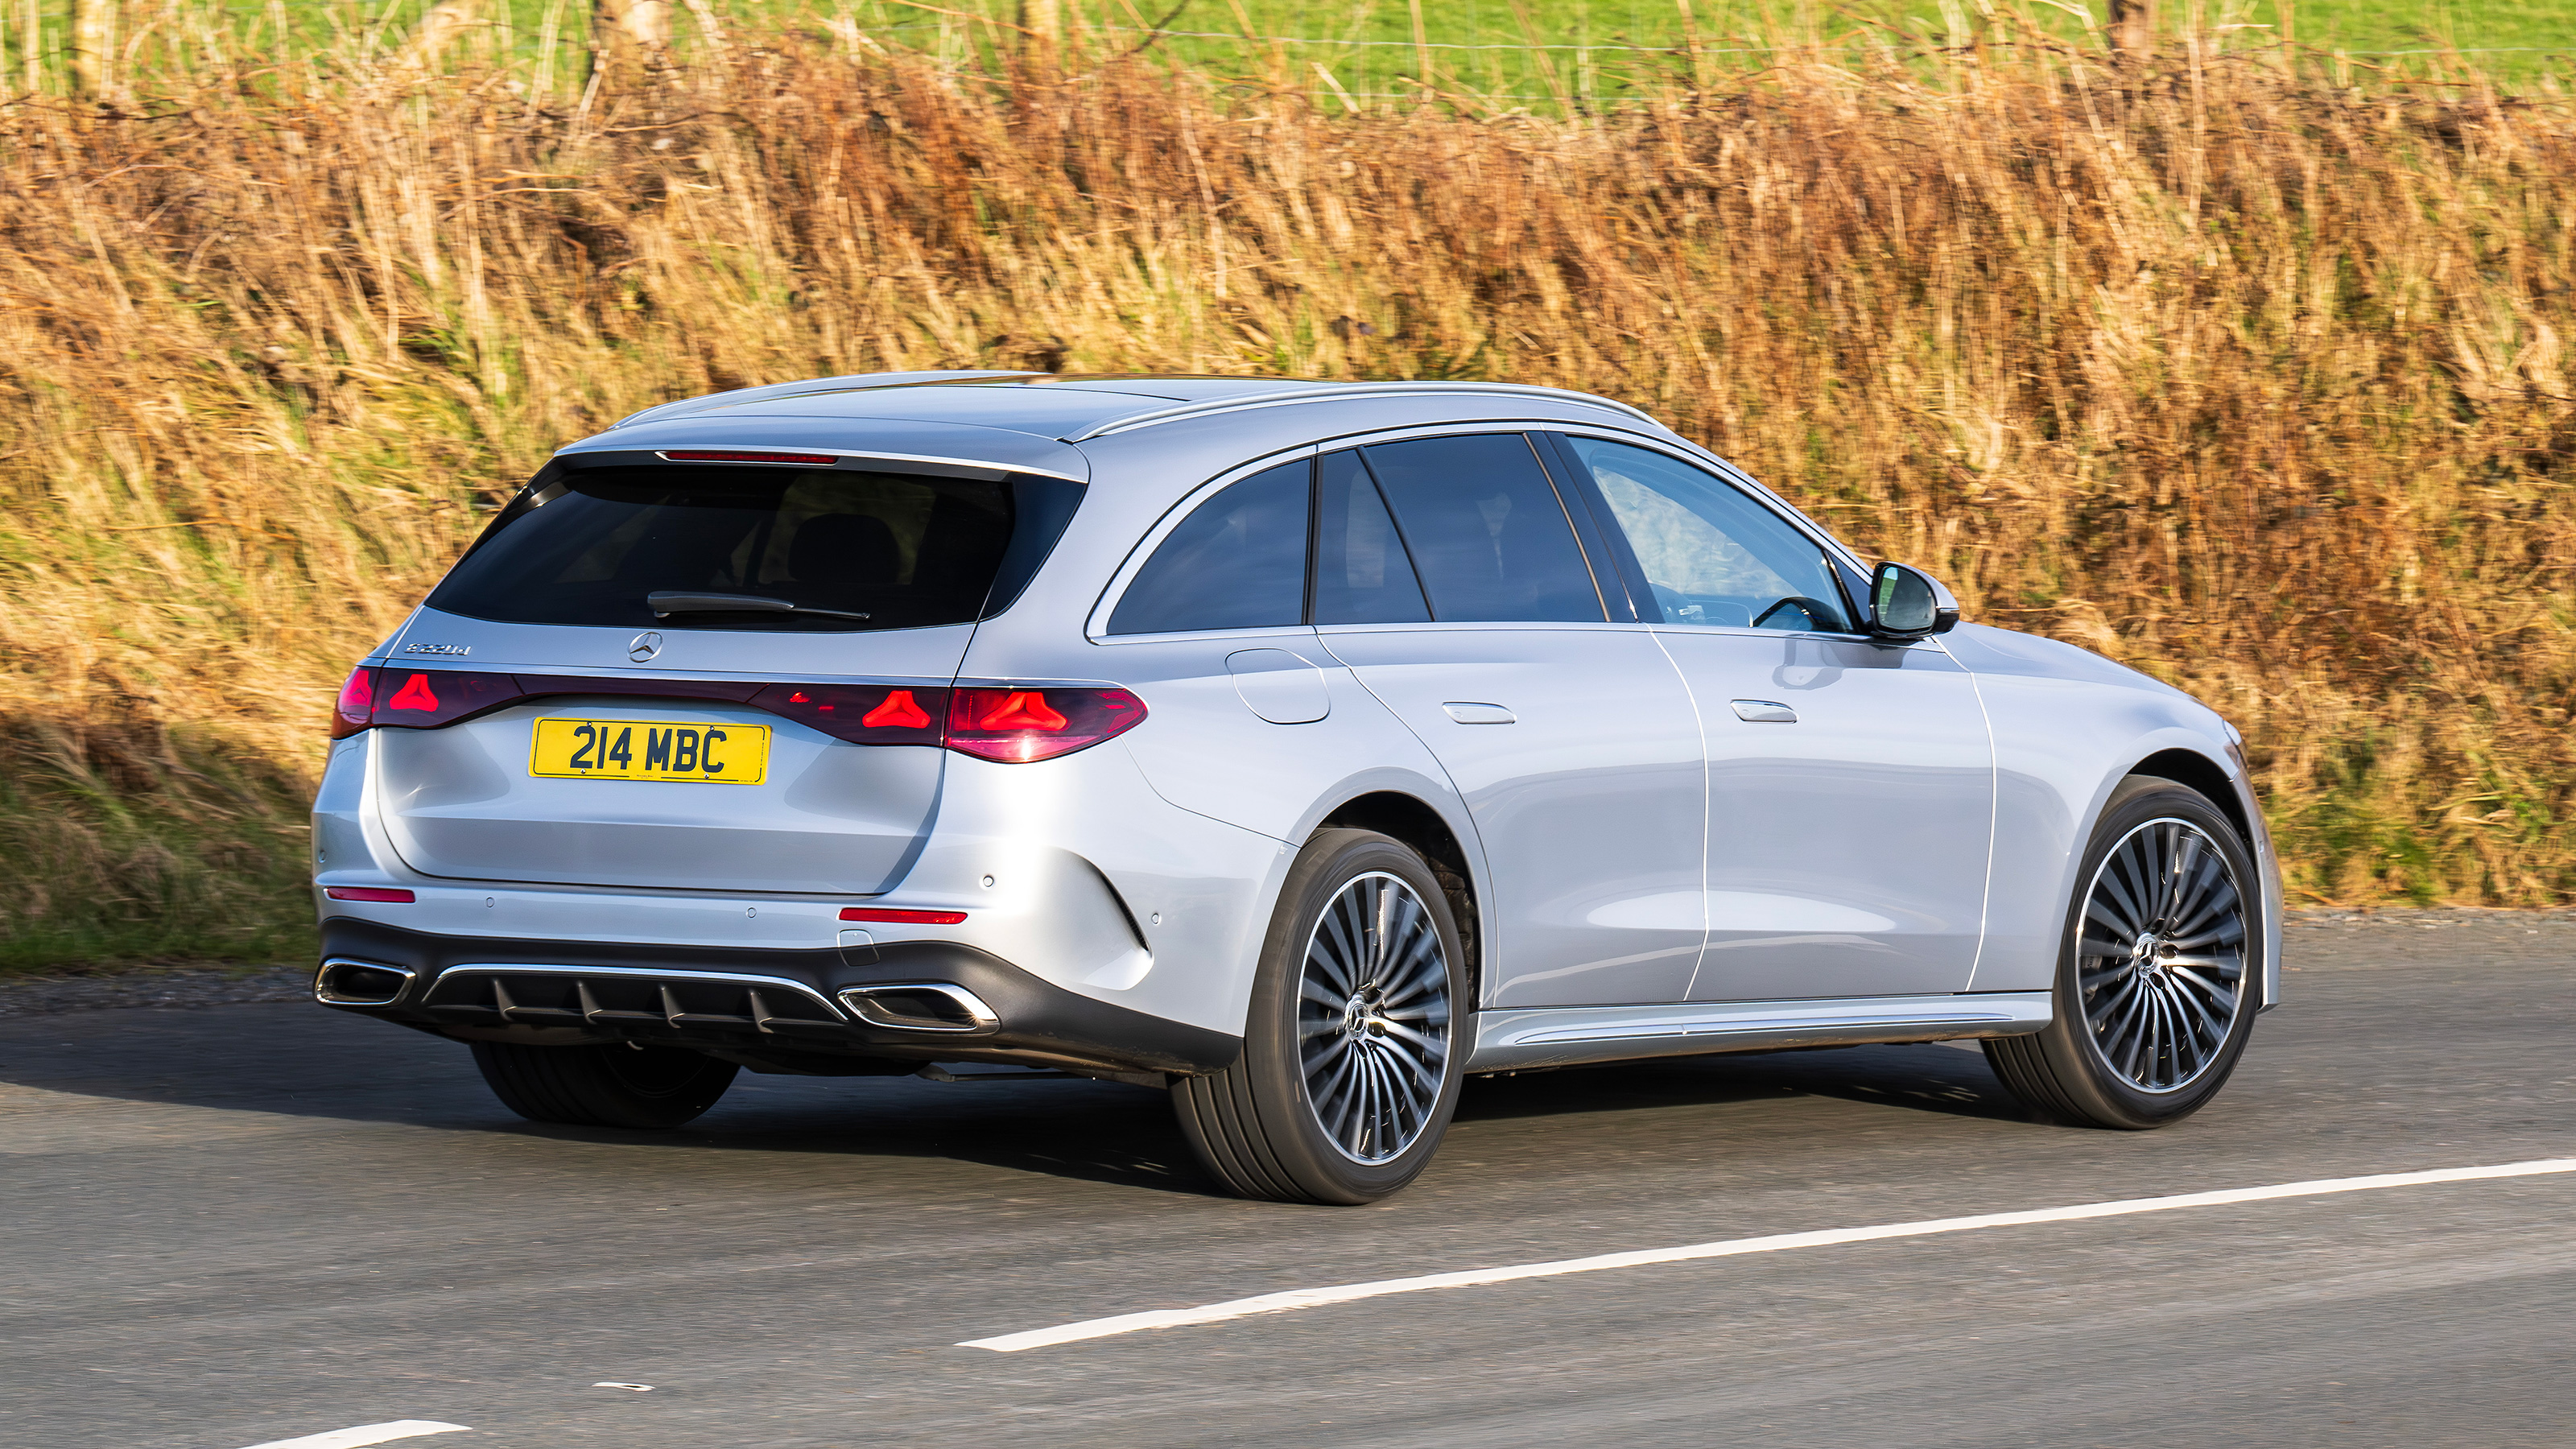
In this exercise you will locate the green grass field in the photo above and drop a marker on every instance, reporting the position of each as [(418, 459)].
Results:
[(1498, 54)]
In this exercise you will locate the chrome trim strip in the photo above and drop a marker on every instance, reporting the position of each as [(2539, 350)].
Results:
[(1552, 1036), (324, 994), (1213, 406), (737, 978), (985, 1022)]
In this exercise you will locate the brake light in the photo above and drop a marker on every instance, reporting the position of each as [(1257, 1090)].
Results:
[(863, 714), (1018, 726), (415, 695), (356, 707), (717, 455), (900, 711), (368, 893), (1021, 709), (902, 918), (425, 699), (1010, 726)]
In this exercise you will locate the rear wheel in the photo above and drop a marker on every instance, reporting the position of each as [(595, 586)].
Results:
[(1350, 1062), (617, 1085), (2156, 975)]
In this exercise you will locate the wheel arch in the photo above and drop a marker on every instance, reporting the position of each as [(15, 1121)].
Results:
[(1417, 823), (2210, 778), (2234, 796)]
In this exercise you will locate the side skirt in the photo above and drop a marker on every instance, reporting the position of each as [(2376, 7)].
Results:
[(1554, 1036)]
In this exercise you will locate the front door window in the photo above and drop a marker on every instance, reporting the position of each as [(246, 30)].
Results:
[(1711, 554)]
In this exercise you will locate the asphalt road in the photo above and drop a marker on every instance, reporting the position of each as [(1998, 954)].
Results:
[(245, 1223)]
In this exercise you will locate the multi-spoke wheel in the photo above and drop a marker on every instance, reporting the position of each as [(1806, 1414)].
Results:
[(1350, 1060), (1373, 1018), (2160, 957), (2156, 983)]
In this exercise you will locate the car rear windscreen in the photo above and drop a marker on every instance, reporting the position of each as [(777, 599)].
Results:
[(904, 550)]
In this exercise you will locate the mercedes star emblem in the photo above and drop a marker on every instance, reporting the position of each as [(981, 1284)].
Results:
[(646, 645)]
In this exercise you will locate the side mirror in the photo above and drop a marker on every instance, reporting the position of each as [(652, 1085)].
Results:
[(1908, 603)]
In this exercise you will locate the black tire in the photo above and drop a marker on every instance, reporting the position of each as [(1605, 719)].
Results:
[(1266, 1124), (2135, 1043), (617, 1085)]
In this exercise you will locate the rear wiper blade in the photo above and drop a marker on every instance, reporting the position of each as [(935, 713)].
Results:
[(666, 602)]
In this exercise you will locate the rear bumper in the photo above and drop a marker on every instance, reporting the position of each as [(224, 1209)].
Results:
[(799, 1009)]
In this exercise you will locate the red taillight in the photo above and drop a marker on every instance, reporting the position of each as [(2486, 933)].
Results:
[(863, 714), (899, 712), (368, 893), (356, 707), (718, 455), (415, 694), (1017, 726), (1011, 726), (902, 918), (424, 699)]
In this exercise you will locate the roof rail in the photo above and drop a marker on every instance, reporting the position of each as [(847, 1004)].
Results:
[(1310, 393), (854, 382)]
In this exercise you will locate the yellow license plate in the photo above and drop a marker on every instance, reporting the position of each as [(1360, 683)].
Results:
[(640, 749)]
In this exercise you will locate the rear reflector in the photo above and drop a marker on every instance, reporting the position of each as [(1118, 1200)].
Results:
[(902, 918), (707, 455), (368, 893)]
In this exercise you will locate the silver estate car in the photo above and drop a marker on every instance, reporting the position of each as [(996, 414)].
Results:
[(1302, 749)]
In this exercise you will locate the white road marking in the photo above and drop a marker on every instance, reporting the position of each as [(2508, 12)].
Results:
[(1734, 1247), (366, 1434)]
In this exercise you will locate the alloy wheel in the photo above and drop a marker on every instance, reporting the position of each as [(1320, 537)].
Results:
[(2161, 955), (1373, 1018)]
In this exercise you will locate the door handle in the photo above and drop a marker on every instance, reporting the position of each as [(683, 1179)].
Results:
[(1764, 711), (1470, 712)]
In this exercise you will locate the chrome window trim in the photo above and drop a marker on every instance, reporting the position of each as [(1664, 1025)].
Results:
[(660, 450), (1685, 451), (1516, 626), (1508, 1038), (501, 968), (1095, 627), (1310, 394)]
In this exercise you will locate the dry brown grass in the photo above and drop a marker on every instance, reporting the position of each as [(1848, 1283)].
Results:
[(2260, 384)]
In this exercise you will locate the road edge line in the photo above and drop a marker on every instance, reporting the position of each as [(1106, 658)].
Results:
[(1299, 1298)]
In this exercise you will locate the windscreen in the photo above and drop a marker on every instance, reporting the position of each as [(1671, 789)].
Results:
[(800, 549)]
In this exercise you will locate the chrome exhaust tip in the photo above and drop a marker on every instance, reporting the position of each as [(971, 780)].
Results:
[(937, 1006), (342, 982)]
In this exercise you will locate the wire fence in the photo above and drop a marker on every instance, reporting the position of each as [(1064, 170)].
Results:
[(1537, 54)]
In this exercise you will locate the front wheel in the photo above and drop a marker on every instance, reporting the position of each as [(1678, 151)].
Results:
[(616, 1085), (1351, 1055), (2156, 975)]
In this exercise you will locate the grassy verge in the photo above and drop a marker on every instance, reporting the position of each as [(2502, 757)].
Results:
[(2255, 380)]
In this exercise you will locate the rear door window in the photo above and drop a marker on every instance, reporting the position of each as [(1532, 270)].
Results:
[(1486, 530), (1238, 561), (849, 550), (1362, 575)]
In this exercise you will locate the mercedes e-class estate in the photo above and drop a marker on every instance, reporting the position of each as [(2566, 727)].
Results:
[(1302, 749)]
